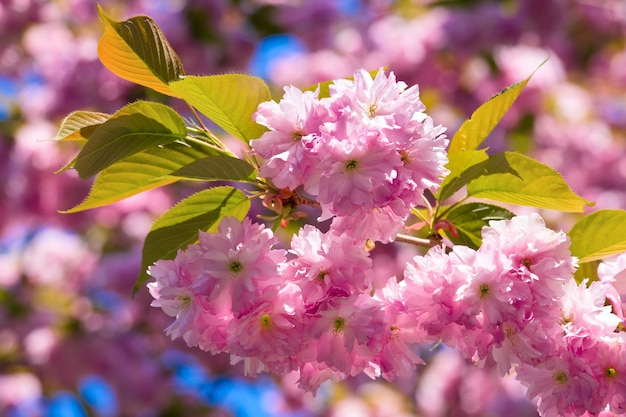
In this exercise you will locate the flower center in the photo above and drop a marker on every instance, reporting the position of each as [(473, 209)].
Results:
[(338, 325), (236, 266), (184, 299), (610, 373), (565, 320), (395, 333), (560, 377), (320, 278), (483, 290), (404, 157), (351, 164), (266, 321)]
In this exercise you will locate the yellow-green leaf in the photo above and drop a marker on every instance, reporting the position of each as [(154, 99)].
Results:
[(132, 129), (217, 168), (137, 50), (229, 100), (511, 177), (476, 129), (587, 270), (469, 220), (464, 167), (599, 235), (79, 125), (179, 226), (140, 172)]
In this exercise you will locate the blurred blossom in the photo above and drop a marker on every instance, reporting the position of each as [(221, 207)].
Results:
[(34, 147), (9, 268), (518, 62), (38, 344), (372, 400), (571, 102), (56, 257), (18, 388), (467, 390)]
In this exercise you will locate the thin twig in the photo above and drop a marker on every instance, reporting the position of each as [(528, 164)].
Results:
[(199, 120), (428, 243)]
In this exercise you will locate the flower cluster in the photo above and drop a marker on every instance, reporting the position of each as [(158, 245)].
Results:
[(366, 153), (514, 302), (308, 310), (312, 309)]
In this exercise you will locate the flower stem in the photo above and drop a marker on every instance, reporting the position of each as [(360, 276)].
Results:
[(434, 240)]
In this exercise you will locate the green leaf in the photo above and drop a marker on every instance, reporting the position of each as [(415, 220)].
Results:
[(132, 129), (140, 172), (599, 235), (229, 100), (179, 226), (137, 50), (79, 125), (476, 129), (588, 270), (464, 167), (469, 220), (511, 177), (218, 168)]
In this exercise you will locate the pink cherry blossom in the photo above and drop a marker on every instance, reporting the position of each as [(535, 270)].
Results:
[(272, 331), (358, 170), (326, 261), (432, 282), (173, 293), (379, 224), (348, 332), (607, 360), (612, 274), (368, 148), (397, 356), (539, 256), (585, 317), (297, 116), (381, 101), (561, 386), (239, 257), (487, 290)]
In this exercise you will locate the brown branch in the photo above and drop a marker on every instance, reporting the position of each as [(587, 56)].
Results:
[(434, 240)]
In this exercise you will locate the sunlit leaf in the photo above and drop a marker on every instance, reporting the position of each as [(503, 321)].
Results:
[(137, 50), (218, 168), (140, 172), (464, 167), (79, 125), (179, 226), (229, 100), (599, 235), (476, 129), (469, 220), (587, 270), (511, 177), (132, 129)]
